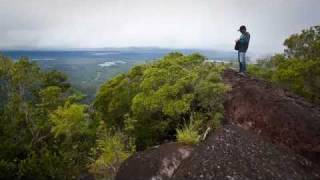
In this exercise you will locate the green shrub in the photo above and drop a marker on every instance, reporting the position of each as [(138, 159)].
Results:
[(302, 77), (69, 120), (111, 151), (151, 101), (298, 69), (260, 72), (188, 134)]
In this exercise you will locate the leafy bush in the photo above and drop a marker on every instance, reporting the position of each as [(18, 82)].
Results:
[(69, 120), (298, 68), (152, 100), (302, 77), (260, 71)]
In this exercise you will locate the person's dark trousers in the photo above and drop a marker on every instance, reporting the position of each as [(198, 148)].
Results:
[(242, 61)]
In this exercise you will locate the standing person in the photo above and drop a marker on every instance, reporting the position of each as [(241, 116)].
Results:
[(242, 45)]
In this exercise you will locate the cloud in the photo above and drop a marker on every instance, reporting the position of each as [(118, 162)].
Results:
[(165, 23)]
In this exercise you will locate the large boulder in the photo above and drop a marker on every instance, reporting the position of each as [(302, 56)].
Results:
[(274, 113), (233, 153), (158, 163)]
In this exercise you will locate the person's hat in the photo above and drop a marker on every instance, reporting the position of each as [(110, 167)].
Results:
[(243, 27)]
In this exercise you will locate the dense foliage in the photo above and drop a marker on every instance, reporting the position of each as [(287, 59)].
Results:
[(298, 68), (44, 132), (304, 45), (152, 100)]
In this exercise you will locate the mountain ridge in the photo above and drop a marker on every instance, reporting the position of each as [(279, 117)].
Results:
[(242, 149)]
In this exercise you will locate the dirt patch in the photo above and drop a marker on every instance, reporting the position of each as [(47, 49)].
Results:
[(233, 153), (274, 113), (158, 163)]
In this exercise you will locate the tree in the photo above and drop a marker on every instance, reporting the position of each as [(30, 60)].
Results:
[(44, 133), (305, 45), (151, 101), (298, 68)]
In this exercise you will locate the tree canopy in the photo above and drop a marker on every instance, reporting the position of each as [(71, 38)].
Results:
[(46, 133), (152, 100), (43, 131)]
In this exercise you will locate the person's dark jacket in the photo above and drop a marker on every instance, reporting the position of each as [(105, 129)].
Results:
[(244, 42)]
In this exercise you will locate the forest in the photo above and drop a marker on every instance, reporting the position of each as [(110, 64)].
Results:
[(47, 133)]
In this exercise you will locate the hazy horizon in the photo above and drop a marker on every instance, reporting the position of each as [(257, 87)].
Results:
[(175, 24)]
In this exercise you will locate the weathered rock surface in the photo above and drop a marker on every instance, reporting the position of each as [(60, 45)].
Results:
[(269, 134), (274, 113), (156, 164), (233, 153)]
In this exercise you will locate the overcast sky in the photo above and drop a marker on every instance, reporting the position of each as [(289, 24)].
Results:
[(163, 23)]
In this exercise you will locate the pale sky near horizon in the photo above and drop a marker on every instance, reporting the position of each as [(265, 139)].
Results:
[(209, 24)]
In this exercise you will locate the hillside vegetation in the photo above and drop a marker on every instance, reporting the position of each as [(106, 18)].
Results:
[(44, 132), (298, 68), (47, 133), (152, 100)]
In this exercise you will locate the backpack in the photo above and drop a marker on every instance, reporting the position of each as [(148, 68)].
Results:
[(237, 46)]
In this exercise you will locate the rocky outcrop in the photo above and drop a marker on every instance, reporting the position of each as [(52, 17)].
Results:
[(268, 133), (273, 113), (233, 153), (158, 163)]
